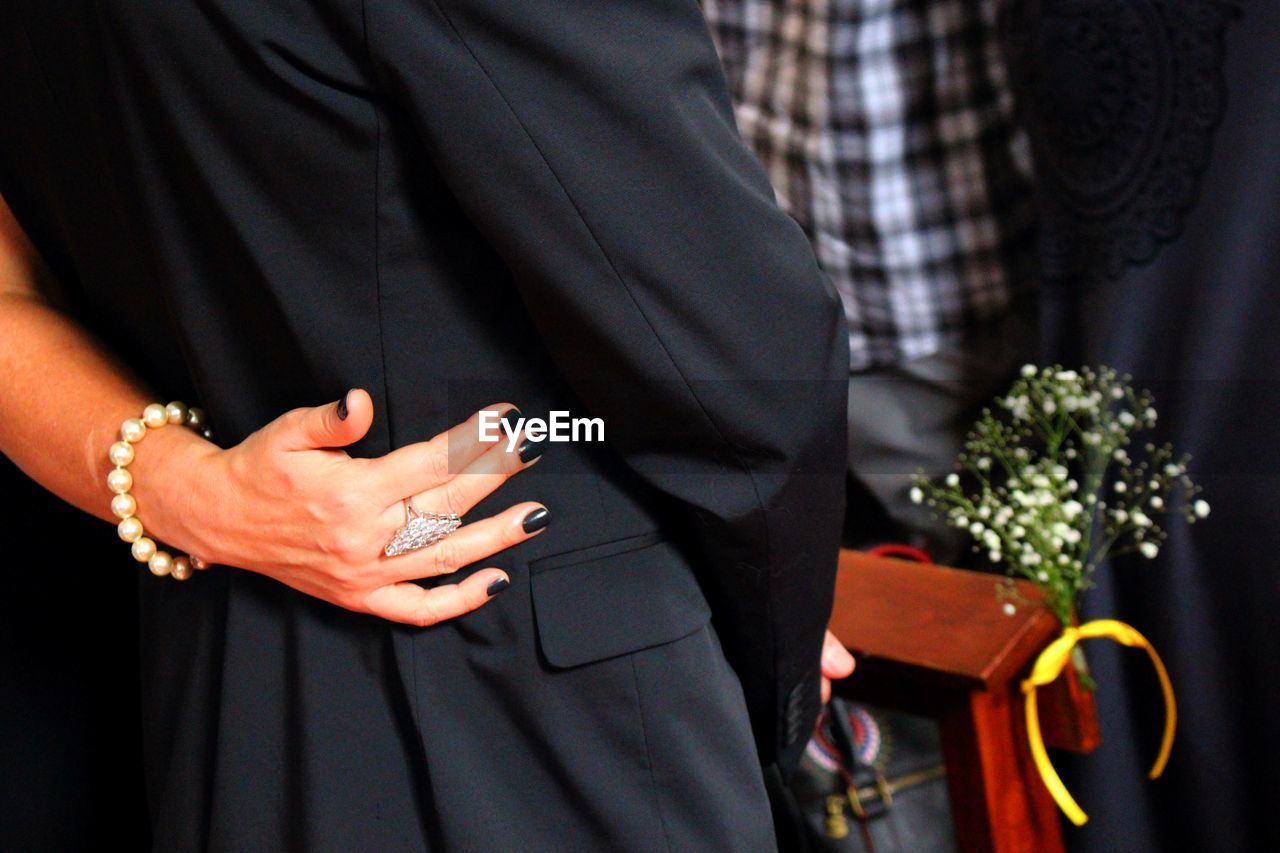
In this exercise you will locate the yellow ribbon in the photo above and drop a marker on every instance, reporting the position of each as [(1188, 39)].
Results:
[(1050, 665)]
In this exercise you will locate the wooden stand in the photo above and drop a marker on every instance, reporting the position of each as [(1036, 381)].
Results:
[(936, 641)]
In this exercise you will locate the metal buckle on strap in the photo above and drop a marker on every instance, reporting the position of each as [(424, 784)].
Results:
[(879, 795), (870, 801)]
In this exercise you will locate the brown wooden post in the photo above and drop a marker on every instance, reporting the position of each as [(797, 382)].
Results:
[(998, 802), (936, 641)]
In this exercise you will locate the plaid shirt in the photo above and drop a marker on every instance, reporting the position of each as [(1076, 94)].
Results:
[(886, 128)]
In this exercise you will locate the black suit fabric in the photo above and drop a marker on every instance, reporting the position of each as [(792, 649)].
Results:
[(449, 204)]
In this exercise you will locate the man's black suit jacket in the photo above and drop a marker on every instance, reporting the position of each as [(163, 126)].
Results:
[(260, 205)]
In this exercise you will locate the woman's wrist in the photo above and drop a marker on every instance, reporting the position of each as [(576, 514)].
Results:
[(167, 465)]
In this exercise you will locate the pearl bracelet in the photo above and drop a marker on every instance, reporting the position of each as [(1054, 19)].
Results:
[(120, 481)]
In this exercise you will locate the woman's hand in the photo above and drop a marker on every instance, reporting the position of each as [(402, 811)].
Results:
[(289, 503)]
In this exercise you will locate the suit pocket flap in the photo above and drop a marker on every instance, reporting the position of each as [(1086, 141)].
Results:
[(614, 598)]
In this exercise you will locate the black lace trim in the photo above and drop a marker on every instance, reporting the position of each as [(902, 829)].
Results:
[(1121, 99)]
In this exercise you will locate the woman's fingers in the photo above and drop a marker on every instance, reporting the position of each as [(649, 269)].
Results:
[(413, 605), (478, 480), (417, 467), (320, 520), (336, 424), (469, 544)]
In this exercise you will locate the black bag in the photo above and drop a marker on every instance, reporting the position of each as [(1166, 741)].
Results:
[(870, 780)]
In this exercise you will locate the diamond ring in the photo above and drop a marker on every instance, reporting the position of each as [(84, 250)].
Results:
[(420, 529)]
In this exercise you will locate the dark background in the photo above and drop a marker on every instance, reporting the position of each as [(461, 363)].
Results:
[(70, 762)]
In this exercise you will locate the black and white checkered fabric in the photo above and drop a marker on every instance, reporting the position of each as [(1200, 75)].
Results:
[(887, 130)]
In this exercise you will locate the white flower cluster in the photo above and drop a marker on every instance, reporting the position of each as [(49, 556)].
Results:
[(1032, 485)]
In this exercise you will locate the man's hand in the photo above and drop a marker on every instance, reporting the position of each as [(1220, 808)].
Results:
[(836, 663)]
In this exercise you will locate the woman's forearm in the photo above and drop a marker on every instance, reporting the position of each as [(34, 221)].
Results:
[(63, 397)]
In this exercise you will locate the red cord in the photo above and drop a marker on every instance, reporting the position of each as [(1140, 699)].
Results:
[(901, 551)]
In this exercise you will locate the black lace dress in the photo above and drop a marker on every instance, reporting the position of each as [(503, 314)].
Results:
[(1154, 125)]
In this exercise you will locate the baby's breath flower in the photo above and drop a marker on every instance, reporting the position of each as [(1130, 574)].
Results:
[(1069, 474)]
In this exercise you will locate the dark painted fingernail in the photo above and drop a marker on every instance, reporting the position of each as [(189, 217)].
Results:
[(536, 520), (509, 418), (342, 407), (498, 586), (530, 450)]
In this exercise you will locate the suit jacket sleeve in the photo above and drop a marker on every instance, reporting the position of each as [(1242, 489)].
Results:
[(593, 143)]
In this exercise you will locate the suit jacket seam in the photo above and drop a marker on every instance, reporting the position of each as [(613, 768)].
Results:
[(412, 689), (648, 755), (377, 227)]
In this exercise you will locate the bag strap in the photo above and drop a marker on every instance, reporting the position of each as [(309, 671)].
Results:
[(855, 773)]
